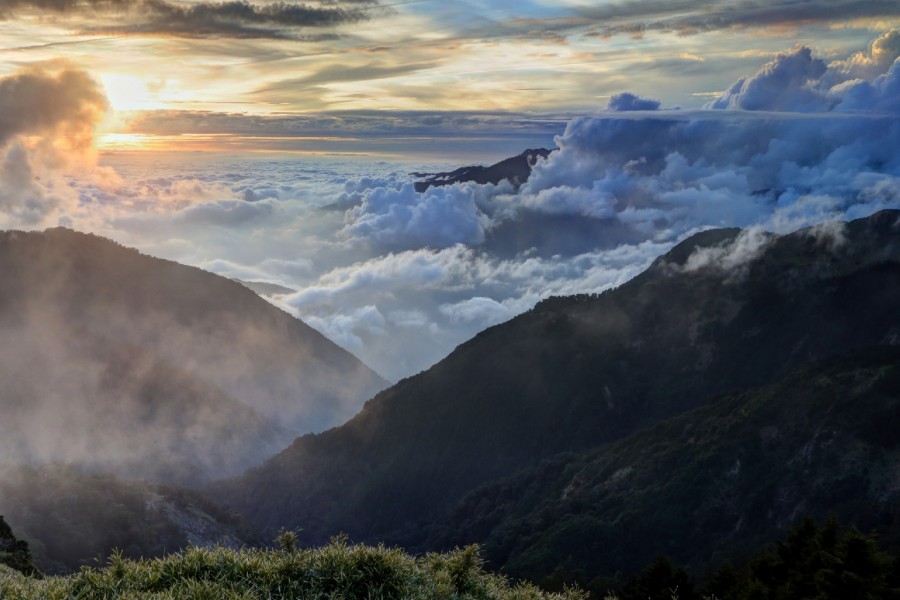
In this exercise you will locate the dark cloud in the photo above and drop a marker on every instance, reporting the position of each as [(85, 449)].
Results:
[(694, 16), (357, 123), (233, 19)]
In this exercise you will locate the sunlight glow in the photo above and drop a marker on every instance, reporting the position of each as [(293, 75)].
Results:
[(126, 92)]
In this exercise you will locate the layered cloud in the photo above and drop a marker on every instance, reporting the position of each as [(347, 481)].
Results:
[(235, 19), (687, 17)]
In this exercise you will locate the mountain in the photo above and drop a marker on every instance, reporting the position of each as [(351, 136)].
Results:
[(711, 485), (515, 169), (116, 360), (71, 519), (724, 310)]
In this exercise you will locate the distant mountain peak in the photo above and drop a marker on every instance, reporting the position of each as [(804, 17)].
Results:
[(515, 169)]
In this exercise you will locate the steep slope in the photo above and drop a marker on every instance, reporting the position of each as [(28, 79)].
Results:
[(113, 359), (70, 518), (723, 310), (104, 405), (710, 485)]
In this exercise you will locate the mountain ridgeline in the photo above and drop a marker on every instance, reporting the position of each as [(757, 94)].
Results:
[(119, 361), (515, 169), (427, 463)]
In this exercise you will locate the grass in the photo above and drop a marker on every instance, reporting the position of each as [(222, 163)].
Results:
[(336, 571)]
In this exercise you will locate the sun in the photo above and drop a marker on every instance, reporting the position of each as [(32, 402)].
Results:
[(127, 92)]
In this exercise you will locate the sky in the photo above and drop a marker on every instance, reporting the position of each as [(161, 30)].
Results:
[(277, 141)]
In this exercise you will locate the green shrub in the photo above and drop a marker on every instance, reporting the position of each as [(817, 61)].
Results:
[(337, 571)]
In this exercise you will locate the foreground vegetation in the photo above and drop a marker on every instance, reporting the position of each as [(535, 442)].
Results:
[(338, 570), (813, 562)]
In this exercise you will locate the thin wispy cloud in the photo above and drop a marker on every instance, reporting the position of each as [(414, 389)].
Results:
[(233, 19), (688, 17)]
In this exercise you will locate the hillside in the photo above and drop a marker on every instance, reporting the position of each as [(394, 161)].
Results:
[(116, 360), (70, 519), (724, 310), (711, 485)]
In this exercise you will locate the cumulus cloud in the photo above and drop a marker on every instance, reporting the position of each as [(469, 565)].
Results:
[(56, 100), (48, 114), (348, 330), (626, 101), (235, 19), (399, 219), (866, 64), (674, 171), (868, 81), (478, 310), (783, 84)]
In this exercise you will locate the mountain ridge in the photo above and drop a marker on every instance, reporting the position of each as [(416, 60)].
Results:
[(735, 312), (109, 354), (705, 487)]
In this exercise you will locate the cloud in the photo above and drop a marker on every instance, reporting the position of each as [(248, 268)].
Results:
[(798, 82), (357, 123), (26, 200), (687, 17), (348, 330), (731, 257), (478, 310), (47, 117), (57, 100), (230, 19), (783, 84), (420, 269), (627, 102), (867, 64), (400, 219)]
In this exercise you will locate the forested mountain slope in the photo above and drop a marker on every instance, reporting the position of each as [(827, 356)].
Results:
[(724, 310)]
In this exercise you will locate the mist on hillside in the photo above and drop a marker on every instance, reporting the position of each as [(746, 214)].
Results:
[(121, 361)]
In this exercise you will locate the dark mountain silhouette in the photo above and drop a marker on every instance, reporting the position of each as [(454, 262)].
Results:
[(724, 310), (515, 169), (711, 485), (112, 359)]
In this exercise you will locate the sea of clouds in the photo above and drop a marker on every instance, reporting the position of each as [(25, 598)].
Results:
[(400, 277)]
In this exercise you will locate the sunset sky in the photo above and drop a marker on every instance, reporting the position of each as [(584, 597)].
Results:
[(277, 141), (218, 68)]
